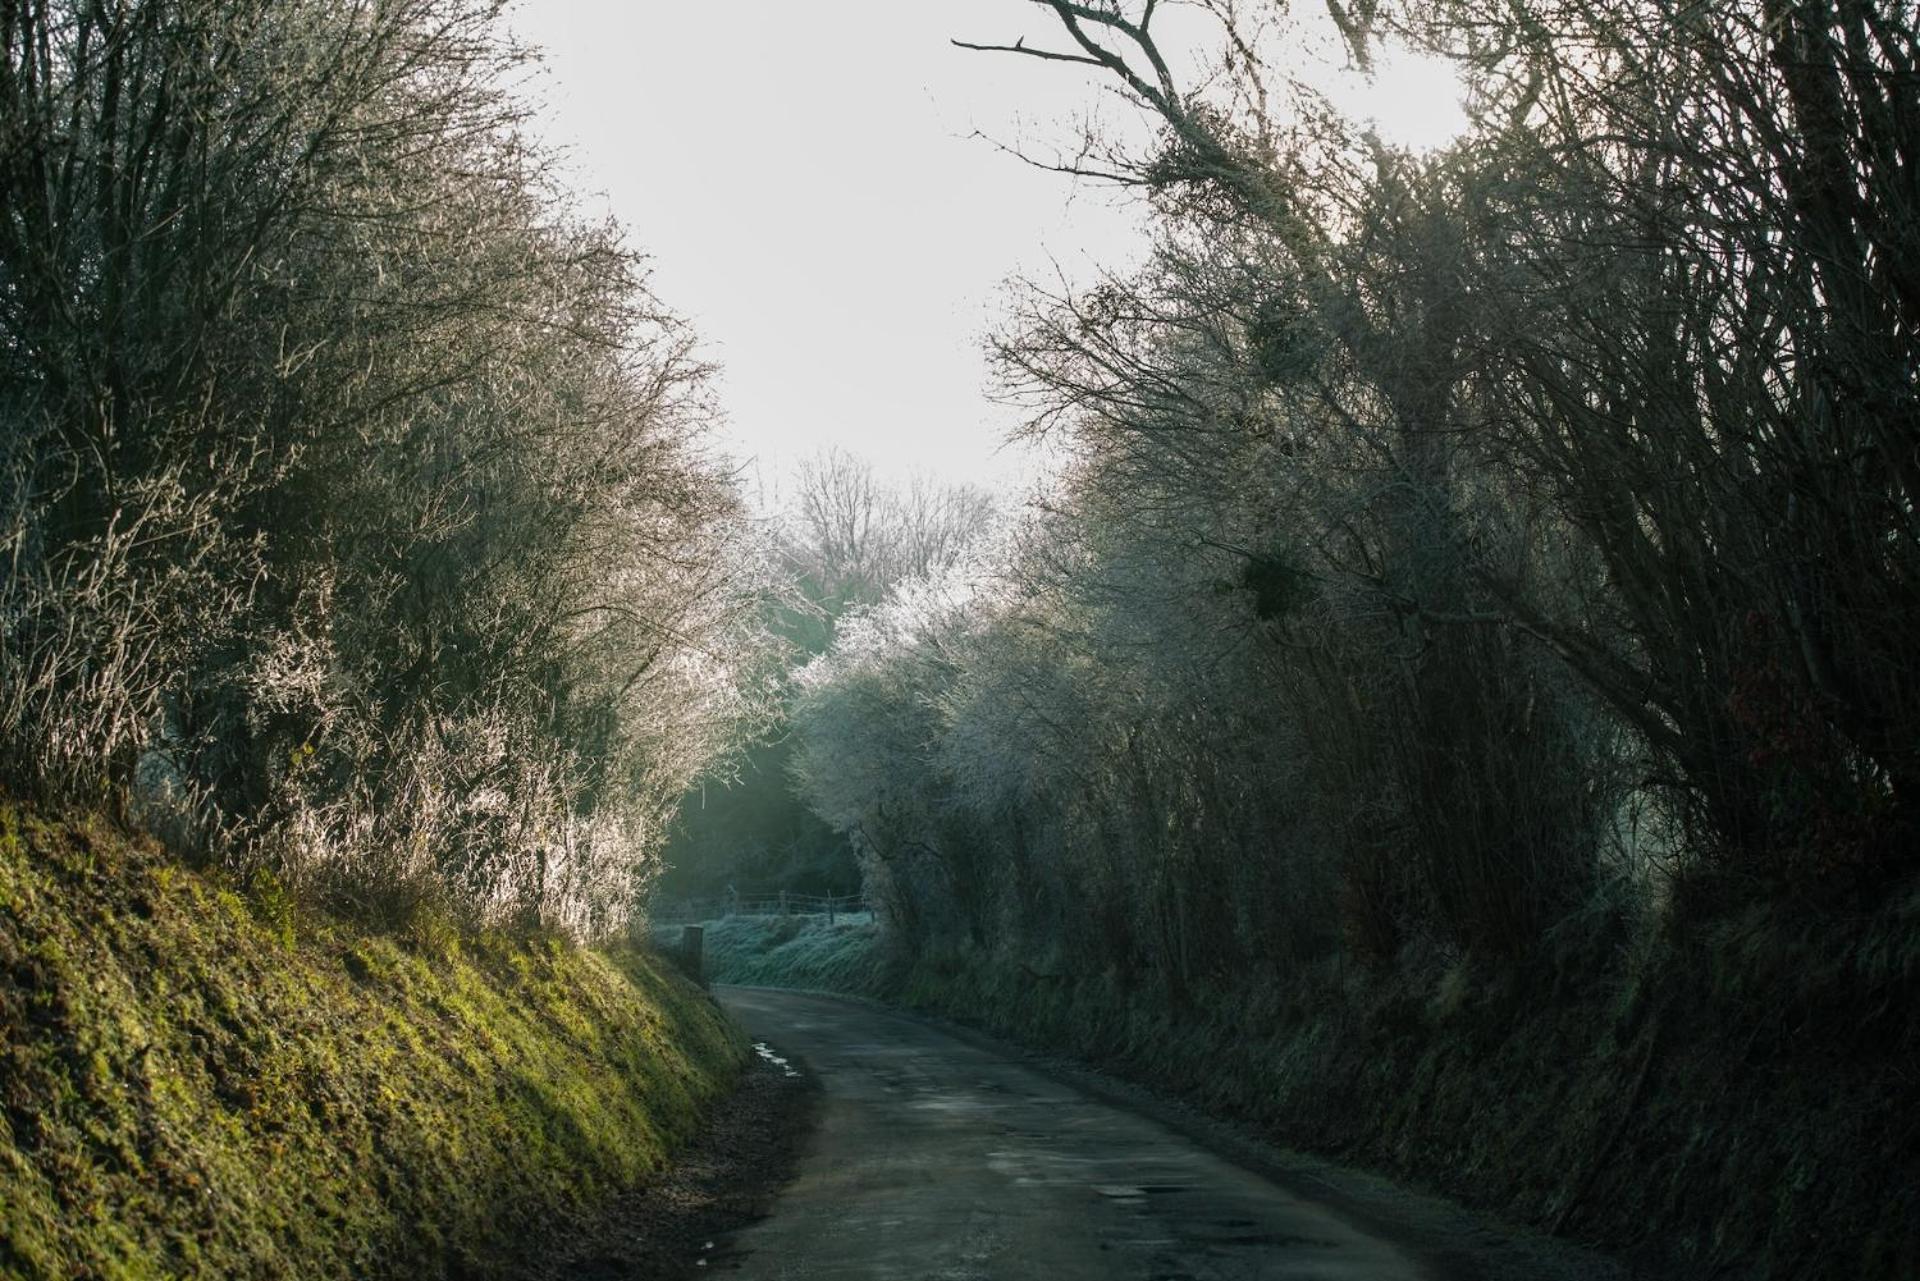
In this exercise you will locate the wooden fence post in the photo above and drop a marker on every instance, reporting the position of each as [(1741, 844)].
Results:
[(692, 953)]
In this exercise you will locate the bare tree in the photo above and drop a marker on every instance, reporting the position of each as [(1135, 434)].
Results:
[(358, 509), (844, 539), (853, 537), (1610, 257)]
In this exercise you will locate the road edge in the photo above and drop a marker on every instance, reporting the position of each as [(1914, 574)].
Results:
[(1450, 1241)]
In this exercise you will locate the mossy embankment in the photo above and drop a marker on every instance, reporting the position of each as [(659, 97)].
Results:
[(1740, 1101), (198, 1080)]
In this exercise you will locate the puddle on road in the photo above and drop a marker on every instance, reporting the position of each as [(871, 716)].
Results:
[(765, 1051), (1130, 1192)]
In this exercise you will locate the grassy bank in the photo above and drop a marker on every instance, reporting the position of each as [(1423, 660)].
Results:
[(1740, 1103), (197, 1080)]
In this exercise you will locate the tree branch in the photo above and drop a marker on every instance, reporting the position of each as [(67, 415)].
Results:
[(1020, 46)]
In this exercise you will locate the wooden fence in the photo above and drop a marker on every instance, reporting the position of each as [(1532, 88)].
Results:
[(708, 909)]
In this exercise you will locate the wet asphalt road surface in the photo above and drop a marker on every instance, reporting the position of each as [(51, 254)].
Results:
[(939, 1160)]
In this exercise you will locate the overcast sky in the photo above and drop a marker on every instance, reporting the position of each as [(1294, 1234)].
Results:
[(809, 182), (805, 180)]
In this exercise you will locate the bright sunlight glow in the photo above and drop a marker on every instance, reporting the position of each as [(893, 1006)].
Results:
[(1412, 100)]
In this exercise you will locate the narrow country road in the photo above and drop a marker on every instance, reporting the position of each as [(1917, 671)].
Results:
[(939, 1159)]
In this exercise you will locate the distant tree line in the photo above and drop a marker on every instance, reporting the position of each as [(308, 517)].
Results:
[(840, 538), (355, 521), (1451, 546)]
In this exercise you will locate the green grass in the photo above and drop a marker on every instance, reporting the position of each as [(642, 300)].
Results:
[(793, 951), (199, 1080)]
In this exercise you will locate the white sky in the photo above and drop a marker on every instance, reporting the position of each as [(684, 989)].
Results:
[(805, 179)]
